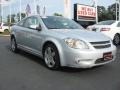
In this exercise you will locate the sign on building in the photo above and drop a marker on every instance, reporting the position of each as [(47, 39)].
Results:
[(84, 13)]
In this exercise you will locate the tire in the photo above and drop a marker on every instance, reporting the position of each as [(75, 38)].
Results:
[(51, 57), (6, 30), (14, 45), (116, 40)]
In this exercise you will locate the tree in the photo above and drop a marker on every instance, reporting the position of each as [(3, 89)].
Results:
[(15, 18), (101, 13), (112, 10), (8, 19), (101, 9), (12, 18), (23, 15), (57, 14), (107, 14)]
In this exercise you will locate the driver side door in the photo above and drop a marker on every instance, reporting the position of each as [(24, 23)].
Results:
[(33, 36)]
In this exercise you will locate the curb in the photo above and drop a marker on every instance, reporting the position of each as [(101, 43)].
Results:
[(4, 35)]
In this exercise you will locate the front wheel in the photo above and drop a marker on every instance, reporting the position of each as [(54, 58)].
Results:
[(51, 57), (14, 45), (116, 39)]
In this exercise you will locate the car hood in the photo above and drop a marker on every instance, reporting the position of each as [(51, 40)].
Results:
[(81, 34)]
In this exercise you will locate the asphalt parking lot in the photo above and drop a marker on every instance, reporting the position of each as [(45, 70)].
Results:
[(24, 71)]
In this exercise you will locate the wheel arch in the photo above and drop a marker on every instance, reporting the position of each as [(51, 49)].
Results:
[(115, 34), (58, 46)]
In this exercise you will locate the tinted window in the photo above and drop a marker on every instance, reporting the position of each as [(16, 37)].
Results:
[(60, 23), (110, 22)]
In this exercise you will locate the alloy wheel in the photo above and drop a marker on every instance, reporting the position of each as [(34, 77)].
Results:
[(49, 57)]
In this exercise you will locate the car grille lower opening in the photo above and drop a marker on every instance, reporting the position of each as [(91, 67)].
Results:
[(101, 60)]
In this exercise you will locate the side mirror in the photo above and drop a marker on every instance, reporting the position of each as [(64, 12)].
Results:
[(36, 27), (39, 28)]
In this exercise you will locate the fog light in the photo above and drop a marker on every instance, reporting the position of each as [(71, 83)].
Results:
[(79, 60)]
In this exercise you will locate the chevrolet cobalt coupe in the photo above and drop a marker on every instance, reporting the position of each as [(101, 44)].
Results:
[(61, 42)]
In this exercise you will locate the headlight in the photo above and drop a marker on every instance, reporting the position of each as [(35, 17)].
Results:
[(76, 43)]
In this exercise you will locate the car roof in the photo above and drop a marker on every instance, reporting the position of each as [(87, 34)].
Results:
[(41, 16)]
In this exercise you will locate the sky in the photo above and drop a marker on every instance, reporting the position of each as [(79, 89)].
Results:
[(52, 6)]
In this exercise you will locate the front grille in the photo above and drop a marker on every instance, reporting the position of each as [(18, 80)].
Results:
[(102, 42), (101, 45), (101, 60), (98, 61)]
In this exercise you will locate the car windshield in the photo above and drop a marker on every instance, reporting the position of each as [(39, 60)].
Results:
[(110, 22), (52, 22)]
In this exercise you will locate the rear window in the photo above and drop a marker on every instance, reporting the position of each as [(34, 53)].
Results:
[(110, 22)]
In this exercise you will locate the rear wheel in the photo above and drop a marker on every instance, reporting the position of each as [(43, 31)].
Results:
[(14, 45), (51, 57), (116, 39)]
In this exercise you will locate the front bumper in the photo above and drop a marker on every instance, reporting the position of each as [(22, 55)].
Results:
[(87, 58)]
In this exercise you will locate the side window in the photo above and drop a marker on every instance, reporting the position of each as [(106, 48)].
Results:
[(5, 24), (118, 24), (31, 22)]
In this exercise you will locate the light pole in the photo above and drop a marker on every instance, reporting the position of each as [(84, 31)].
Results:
[(35, 7), (10, 13), (20, 11), (119, 10), (0, 13), (116, 9), (96, 7), (67, 8)]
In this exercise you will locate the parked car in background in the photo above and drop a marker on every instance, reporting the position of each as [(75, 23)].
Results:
[(110, 28), (4, 27), (62, 42)]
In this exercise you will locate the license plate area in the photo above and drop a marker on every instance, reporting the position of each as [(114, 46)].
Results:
[(107, 56)]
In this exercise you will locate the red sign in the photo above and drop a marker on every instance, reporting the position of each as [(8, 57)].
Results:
[(86, 12)]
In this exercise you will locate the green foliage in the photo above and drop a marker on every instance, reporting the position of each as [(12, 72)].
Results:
[(107, 14), (15, 17), (57, 14), (23, 15)]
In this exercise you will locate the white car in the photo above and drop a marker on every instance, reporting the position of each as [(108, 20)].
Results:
[(110, 28), (4, 27)]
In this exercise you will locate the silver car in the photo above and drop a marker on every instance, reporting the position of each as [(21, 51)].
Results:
[(62, 42)]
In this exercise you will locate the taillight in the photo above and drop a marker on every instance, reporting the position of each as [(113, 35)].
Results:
[(0, 27), (105, 29)]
